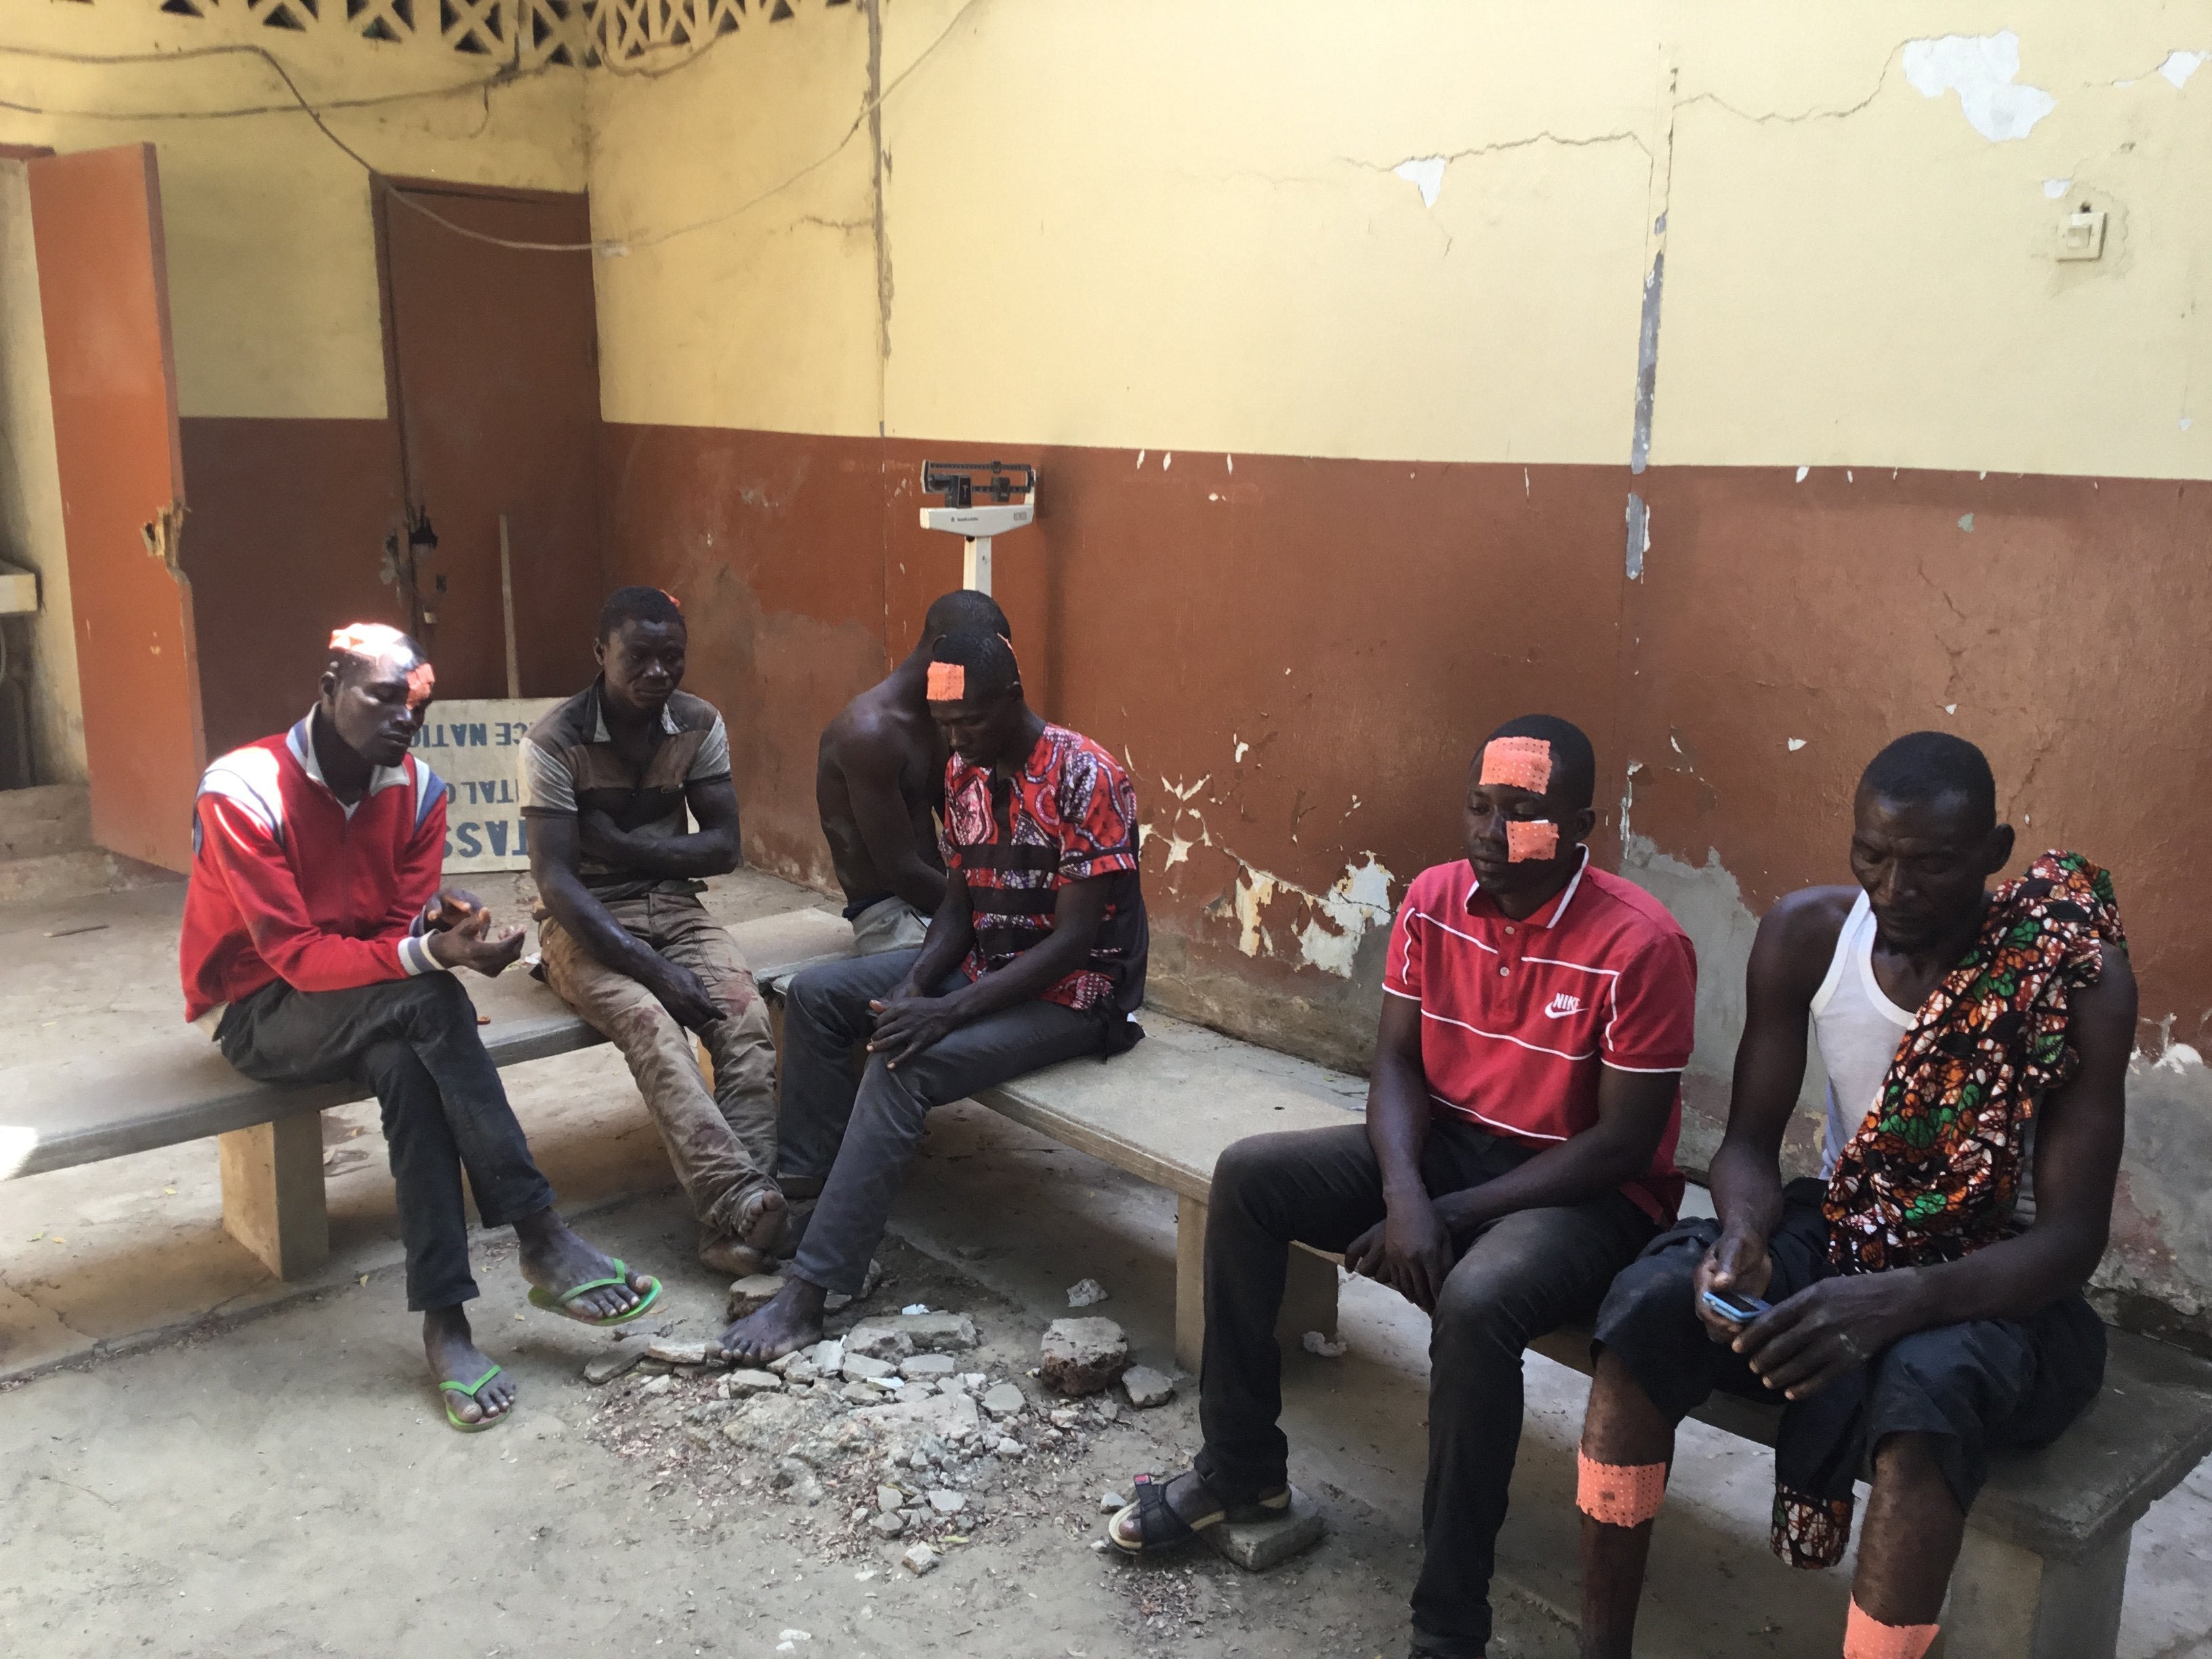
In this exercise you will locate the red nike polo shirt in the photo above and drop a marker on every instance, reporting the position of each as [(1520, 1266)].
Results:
[(1518, 1018)]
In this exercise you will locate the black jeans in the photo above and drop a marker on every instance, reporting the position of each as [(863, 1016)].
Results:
[(858, 1137), (1525, 1275), (415, 1043)]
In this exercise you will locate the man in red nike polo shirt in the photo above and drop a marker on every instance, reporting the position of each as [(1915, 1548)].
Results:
[(1518, 1152)]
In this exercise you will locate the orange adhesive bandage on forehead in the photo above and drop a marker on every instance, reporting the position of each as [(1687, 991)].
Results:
[(1618, 1494), (1866, 1637), (1518, 763), (948, 682), (1537, 838), (366, 638), (422, 685)]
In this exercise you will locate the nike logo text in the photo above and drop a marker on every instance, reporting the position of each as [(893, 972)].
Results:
[(1561, 1005)]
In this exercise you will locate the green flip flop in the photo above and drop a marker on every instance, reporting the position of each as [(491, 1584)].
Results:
[(559, 1305), (470, 1389)]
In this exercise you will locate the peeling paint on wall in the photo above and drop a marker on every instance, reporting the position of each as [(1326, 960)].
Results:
[(1426, 174), (1337, 921), (2180, 65), (1981, 68), (1639, 535)]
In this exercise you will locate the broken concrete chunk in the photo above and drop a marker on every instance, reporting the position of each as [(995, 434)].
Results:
[(890, 1498), (828, 1357), (889, 1522), (661, 1384), (945, 1502), (878, 1339), (861, 1368), (682, 1353), (860, 1393), (898, 1335), (602, 1369), (1147, 1388), (919, 1560), (1256, 1546), (1082, 1356), (1085, 1293), (741, 1383), (1109, 1501), (1009, 1447), (1004, 1400), (1314, 1343), (927, 1367), (947, 1417), (753, 1291)]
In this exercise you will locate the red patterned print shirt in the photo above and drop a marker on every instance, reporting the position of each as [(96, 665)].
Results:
[(1068, 815)]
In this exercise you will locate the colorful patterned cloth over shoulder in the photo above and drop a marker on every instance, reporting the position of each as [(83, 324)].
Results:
[(1932, 1173)]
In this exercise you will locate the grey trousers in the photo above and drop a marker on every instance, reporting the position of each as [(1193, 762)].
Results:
[(857, 1138)]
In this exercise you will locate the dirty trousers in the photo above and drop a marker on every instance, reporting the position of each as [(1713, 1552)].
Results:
[(1522, 1276), (722, 1143), (415, 1043), (857, 1138)]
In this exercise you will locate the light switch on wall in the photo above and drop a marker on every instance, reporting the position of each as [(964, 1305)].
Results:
[(2082, 235)]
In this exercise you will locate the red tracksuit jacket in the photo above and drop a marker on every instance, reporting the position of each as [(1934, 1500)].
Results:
[(287, 884)]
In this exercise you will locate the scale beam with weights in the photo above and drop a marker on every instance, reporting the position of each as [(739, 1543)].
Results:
[(978, 504)]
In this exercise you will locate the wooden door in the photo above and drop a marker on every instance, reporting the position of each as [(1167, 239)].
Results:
[(494, 357), (103, 286)]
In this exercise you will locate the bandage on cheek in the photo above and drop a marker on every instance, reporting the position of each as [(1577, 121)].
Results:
[(948, 682), (422, 685), (1618, 1494), (1537, 838), (1866, 1637), (1518, 763)]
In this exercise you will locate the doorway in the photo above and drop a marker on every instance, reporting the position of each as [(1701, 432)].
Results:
[(491, 353)]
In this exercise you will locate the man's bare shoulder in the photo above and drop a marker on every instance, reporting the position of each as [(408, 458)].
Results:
[(1797, 936), (871, 731)]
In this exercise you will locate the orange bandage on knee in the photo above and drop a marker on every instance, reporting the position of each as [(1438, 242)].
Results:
[(1618, 1494), (1519, 763), (948, 682), (1536, 839), (1866, 1637)]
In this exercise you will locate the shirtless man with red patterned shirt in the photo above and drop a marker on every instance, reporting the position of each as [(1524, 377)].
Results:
[(1037, 954)]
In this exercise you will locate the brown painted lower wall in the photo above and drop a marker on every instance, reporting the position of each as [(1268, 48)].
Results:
[(285, 542), (1297, 657)]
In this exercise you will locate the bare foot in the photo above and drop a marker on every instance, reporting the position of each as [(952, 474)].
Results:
[(792, 1319), (761, 1221), (556, 1261), (455, 1358)]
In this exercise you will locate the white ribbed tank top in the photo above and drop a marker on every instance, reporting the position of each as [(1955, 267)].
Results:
[(1859, 1028)]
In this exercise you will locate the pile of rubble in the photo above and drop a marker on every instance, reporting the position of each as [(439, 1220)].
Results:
[(899, 1429)]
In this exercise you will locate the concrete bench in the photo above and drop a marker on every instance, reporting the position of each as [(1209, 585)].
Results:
[(174, 1086)]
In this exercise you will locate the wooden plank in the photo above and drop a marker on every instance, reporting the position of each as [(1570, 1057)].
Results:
[(272, 1193)]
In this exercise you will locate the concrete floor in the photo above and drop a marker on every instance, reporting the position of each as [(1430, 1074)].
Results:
[(202, 1460)]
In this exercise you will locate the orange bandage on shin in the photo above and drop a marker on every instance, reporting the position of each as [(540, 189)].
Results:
[(1536, 839), (1618, 1494), (1866, 1637), (1519, 762), (948, 682)]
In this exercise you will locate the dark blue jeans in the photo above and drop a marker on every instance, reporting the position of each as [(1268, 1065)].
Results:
[(414, 1041), (857, 1138), (1521, 1277)]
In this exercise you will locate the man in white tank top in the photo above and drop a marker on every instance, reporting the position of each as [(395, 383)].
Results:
[(1921, 1316)]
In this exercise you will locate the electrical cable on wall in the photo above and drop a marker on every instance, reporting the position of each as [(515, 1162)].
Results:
[(508, 75)]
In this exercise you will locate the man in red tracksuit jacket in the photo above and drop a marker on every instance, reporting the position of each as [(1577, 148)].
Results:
[(317, 945)]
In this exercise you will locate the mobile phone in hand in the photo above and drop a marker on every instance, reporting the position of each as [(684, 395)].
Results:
[(1736, 1309)]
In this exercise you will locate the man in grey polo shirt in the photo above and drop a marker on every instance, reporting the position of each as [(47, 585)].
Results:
[(606, 779)]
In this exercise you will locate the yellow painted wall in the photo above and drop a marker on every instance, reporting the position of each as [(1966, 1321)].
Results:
[(738, 304), (272, 269), (1175, 223), (31, 496)]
